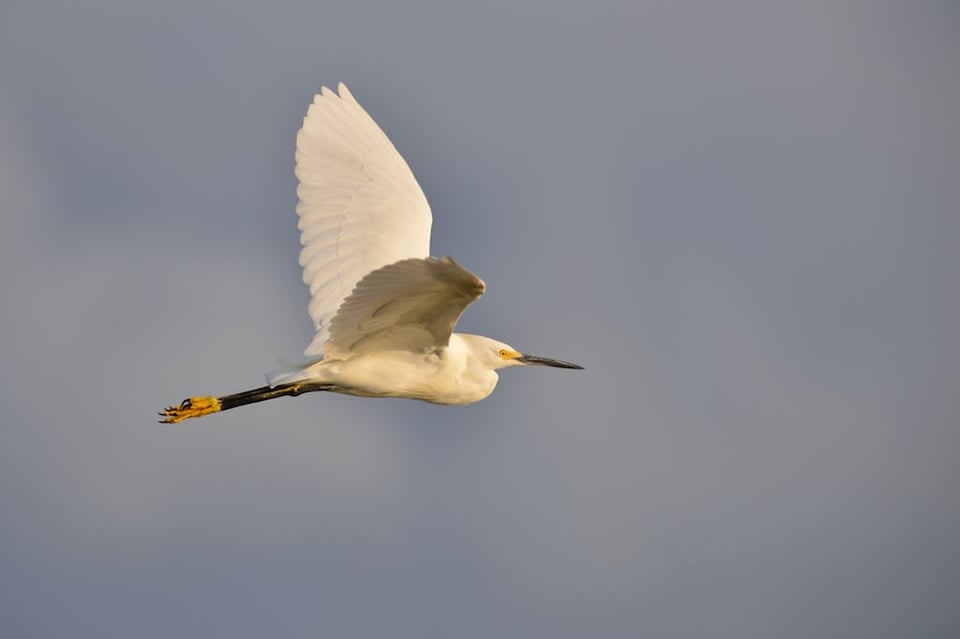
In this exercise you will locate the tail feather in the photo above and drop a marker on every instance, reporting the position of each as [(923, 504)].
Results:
[(290, 372)]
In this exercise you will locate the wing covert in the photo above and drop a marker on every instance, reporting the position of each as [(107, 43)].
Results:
[(412, 304)]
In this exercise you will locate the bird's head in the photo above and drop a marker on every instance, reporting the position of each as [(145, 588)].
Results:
[(499, 355)]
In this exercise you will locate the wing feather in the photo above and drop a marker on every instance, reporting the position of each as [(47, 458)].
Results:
[(360, 207), (412, 304)]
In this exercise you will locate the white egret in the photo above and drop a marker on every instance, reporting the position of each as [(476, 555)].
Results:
[(384, 311)]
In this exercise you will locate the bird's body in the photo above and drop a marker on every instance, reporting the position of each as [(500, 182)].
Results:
[(384, 311), (443, 375)]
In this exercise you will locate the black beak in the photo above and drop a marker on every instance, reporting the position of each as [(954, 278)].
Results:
[(546, 361)]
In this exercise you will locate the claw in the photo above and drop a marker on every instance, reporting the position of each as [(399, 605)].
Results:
[(189, 408)]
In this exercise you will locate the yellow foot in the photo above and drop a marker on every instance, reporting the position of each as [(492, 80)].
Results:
[(192, 407)]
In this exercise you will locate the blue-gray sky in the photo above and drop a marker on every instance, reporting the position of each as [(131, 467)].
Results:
[(741, 217)]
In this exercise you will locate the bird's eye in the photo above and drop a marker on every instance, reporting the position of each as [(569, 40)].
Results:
[(503, 353)]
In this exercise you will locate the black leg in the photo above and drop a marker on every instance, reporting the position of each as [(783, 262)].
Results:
[(205, 405)]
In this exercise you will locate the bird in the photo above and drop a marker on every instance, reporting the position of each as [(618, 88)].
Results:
[(383, 309)]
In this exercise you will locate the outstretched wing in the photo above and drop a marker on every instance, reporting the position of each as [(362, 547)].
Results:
[(409, 305), (360, 206)]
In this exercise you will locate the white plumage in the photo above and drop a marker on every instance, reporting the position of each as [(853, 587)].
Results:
[(360, 206), (384, 311)]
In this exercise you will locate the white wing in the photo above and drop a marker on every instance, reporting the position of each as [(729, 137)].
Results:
[(360, 206), (410, 305)]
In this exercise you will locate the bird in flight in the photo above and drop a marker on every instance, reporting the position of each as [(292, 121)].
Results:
[(384, 311)]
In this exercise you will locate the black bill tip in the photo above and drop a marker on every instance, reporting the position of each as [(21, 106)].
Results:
[(547, 361)]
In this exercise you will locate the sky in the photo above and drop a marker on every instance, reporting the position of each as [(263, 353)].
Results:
[(741, 218)]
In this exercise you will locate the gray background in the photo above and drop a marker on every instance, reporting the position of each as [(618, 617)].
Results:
[(741, 217)]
